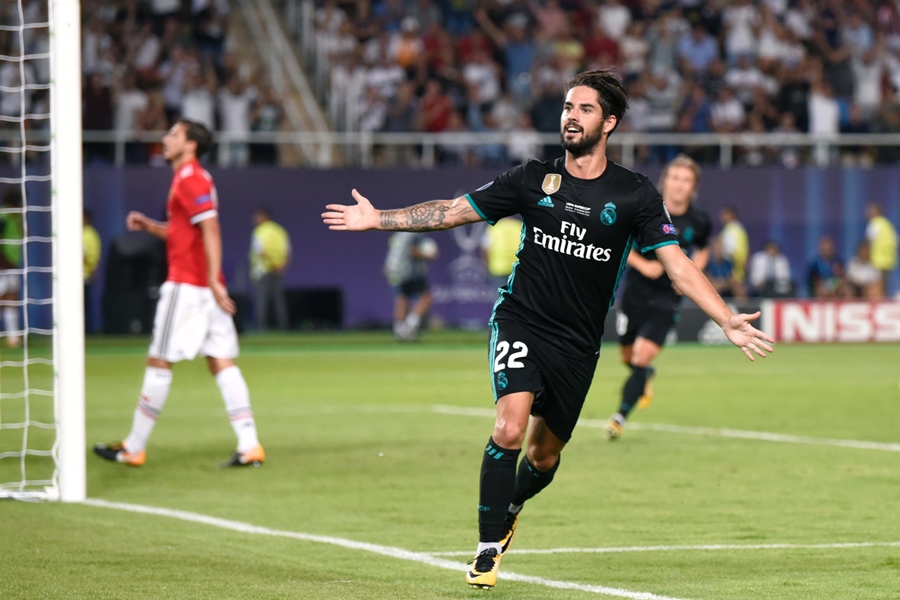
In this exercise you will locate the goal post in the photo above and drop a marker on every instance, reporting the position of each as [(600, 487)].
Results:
[(67, 206), (42, 385)]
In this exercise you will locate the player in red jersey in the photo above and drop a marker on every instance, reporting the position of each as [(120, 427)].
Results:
[(193, 315)]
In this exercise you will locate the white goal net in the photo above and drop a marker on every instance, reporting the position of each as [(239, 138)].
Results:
[(42, 444)]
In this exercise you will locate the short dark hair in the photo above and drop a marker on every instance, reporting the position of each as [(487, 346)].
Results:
[(610, 92), (263, 211), (198, 133)]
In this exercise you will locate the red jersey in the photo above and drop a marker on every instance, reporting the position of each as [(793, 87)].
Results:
[(192, 199)]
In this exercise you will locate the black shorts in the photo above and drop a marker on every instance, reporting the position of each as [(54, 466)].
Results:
[(650, 322), (412, 287), (522, 361)]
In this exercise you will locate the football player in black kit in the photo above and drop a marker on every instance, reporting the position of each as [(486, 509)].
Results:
[(649, 302), (582, 213)]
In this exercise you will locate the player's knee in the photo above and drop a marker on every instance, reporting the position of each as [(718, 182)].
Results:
[(543, 459), (509, 434)]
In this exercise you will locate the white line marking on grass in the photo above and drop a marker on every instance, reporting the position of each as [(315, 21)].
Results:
[(763, 436), (399, 553), (706, 547)]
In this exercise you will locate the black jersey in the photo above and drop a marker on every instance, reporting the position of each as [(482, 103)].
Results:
[(577, 234), (693, 229)]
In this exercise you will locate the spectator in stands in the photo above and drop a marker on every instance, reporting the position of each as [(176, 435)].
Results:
[(787, 155), (153, 119), (174, 72), (600, 49), (524, 141), (727, 114), (633, 50), (614, 17), (545, 114), (863, 280), (882, 237), (198, 102), (235, 102), (130, 101), (265, 117), (741, 20), (743, 78), (697, 50), (97, 115), (856, 154), (770, 273), (210, 20), (517, 47), (825, 276), (436, 108)]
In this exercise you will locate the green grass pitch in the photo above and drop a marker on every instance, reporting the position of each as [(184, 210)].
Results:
[(370, 488)]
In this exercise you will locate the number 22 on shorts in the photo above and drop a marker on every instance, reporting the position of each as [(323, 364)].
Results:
[(519, 351)]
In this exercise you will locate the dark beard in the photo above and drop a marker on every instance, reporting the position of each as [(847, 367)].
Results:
[(583, 147)]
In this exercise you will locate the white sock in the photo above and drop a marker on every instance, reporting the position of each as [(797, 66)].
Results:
[(482, 546), (412, 321), (153, 397), (11, 320), (237, 403)]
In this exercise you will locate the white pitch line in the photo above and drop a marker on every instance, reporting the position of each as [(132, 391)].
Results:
[(706, 547), (762, 436), (399, 553)]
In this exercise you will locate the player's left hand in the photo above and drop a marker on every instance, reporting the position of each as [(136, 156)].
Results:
[(747, 337), (220, 293)]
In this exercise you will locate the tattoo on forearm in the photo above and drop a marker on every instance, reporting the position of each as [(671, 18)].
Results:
[(428, 216), (389, 219)]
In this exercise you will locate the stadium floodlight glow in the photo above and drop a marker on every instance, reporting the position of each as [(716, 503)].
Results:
[(42, 432)]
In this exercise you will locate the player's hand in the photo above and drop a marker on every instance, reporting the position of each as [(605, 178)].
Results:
[(747, 337), (220, 293), (136, 221), (359, 217)]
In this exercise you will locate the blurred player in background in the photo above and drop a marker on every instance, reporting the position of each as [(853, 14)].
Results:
[(650, 301), (582, 213), (194, 312), (11, 235), (406, 269)]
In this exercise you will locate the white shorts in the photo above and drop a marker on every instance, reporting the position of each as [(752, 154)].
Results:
[(188, 322), (9, 282)]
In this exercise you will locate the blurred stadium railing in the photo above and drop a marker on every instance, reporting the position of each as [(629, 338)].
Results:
[(326, 149)]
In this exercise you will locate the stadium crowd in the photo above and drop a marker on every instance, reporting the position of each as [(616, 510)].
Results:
[(144, 63), (691, 66)]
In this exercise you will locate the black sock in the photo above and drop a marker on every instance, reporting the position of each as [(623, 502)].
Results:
[(530, 481), (498, 480), (633, 389)]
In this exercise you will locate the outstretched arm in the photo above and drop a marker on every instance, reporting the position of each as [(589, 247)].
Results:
[(690, 280), (428, 216)]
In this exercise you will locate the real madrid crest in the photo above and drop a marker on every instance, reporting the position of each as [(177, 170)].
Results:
[(551, 183), (608, 214)]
